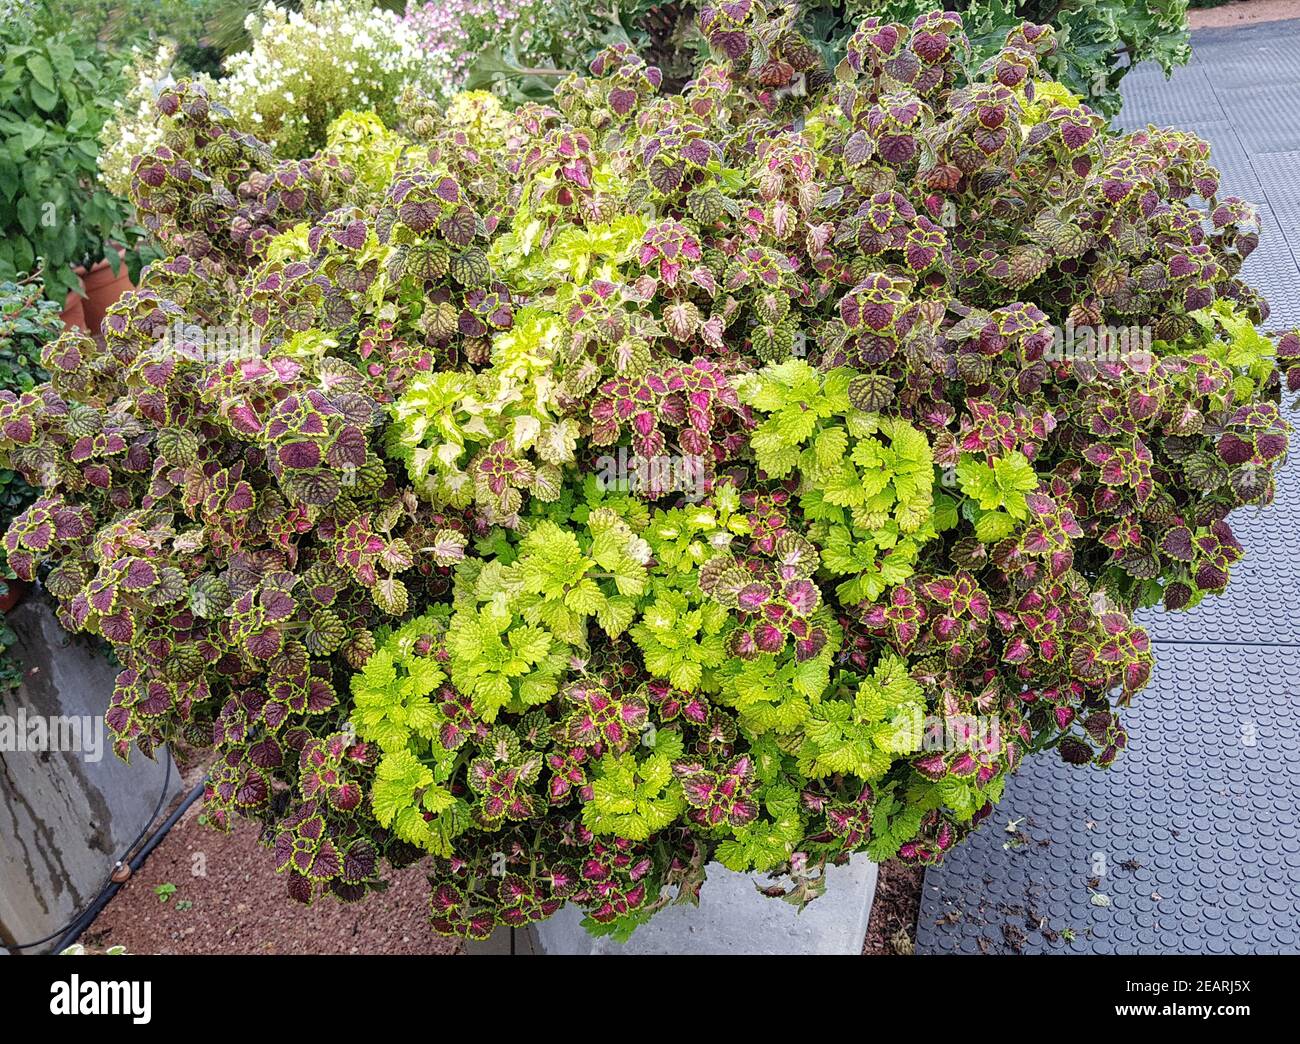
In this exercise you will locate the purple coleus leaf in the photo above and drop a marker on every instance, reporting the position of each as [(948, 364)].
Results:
[(299, 455)]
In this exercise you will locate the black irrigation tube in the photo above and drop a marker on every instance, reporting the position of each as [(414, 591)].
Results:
[(67, 936), (137, 861)]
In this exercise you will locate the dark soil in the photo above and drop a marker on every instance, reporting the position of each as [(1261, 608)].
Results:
[(892, 928), (240, 906)]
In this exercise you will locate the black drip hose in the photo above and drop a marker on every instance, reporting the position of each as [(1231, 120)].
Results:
[(67, 936), (113, 887)]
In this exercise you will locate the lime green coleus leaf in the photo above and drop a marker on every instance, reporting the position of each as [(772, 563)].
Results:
[(404, 792), (369, 149), (1003, 484), (777, 693), (631, 798), (575, 255), (562, 581), (1238, 344), (388, 707), (502, 662), (796, 398), (876, 559), (878, 465), (945, 515), (997, 493), (390, 694), (868, 479), (446, 423), (991, 526), (896, 817), (682, 539), (963, 798), (680, 640), (905, 462), (767, 842), (863, 737)]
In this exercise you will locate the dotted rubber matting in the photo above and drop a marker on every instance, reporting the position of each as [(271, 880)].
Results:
[(1279, 179), (1190, 842), (1262, 603)]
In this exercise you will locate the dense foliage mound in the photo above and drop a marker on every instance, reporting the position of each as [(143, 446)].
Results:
[(516, 47), (651, 480)]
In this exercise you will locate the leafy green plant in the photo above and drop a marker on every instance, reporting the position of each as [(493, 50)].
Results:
[(55, 94), (655, 478), (27, 323), (125, 22)]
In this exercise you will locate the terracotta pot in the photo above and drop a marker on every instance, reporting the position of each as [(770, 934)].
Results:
[(18, 590), (103, 288), (74, 311)]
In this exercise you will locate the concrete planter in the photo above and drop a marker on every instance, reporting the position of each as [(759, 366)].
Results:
[(66, 815), (732, 918)]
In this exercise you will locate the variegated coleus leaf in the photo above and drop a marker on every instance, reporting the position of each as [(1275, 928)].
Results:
[(503, 780), (600, 721), (668, 248), (899, 617), (725, 796), (938, 833), (333, 769), (694, 402)]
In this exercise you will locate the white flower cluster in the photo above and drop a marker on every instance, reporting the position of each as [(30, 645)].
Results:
[(133, 126), (305, 68)]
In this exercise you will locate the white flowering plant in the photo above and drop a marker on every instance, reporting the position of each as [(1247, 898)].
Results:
[(306, 67), (132, 128)]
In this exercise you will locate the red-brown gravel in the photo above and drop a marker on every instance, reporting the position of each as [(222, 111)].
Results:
[(1245, 12), (240, 907)]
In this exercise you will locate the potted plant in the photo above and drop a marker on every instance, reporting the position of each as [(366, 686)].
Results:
[(749, 475)]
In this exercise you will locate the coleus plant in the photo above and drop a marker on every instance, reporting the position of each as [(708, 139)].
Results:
[(648, 480)]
